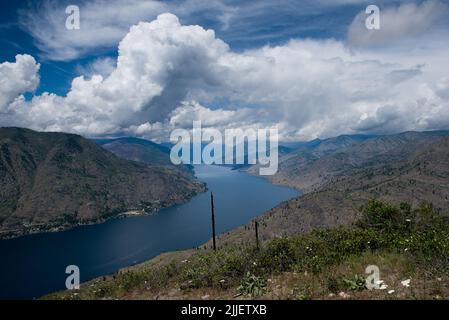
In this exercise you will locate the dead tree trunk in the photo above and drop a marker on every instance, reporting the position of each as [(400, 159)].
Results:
[(256, 226), (213, 220)]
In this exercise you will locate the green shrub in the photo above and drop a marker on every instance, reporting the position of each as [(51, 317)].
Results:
[(357, 283), (277, 256), (383, 216), (252, 285)]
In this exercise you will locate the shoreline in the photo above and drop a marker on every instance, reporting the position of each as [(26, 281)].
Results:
[(61, 227)]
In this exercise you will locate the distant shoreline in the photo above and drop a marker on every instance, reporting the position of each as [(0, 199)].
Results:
[(61, 227)]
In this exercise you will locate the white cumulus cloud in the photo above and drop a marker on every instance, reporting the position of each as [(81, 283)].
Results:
[(400, 23), (16, 78), (168, 74)]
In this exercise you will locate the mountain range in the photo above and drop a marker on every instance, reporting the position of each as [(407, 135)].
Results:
[(339, 175), (139, 150), (58, 180)]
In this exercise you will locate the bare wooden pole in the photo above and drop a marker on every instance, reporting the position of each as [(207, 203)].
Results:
[(213, 220), (256, 226)]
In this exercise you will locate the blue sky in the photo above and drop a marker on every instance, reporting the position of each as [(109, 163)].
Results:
[(258, 24), (144, 68)]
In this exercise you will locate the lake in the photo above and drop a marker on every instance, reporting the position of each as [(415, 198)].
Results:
[(34, 265)]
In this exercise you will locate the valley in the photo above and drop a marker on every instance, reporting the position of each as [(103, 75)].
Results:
[(340, 177), (102, 249)]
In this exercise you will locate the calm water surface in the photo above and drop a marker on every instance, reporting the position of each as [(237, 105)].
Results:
[(34, 265)]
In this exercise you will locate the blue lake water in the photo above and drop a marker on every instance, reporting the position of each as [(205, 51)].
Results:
[(34, 265)]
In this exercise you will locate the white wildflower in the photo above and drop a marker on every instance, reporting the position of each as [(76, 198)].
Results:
[(406, 283), (344, 295)]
